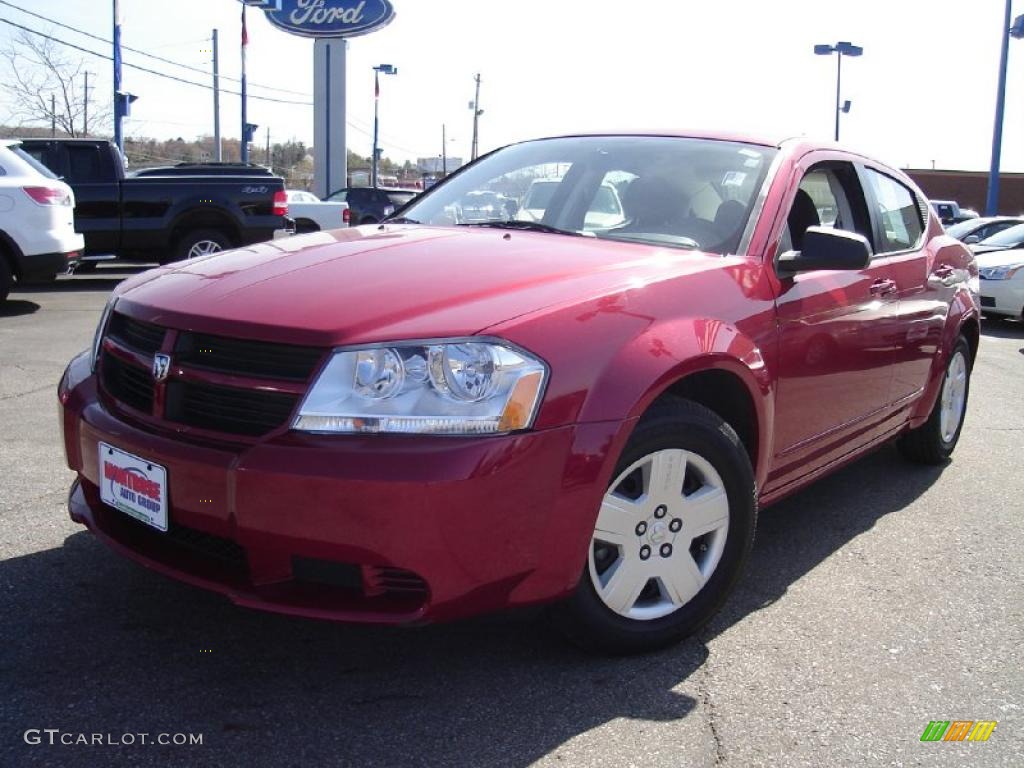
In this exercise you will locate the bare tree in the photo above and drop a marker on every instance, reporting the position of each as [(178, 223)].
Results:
[(45, 85)]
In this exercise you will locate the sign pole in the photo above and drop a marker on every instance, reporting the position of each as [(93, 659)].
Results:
[(118, 101), (245, 116)]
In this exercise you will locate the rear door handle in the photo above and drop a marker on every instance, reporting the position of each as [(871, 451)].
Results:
[(883, 287)]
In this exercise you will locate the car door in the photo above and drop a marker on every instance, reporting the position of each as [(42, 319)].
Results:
[(91, 173), (924, 285), (834, 354)]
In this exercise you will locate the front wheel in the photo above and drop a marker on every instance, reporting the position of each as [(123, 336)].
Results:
[(671, 537), (933, 442)]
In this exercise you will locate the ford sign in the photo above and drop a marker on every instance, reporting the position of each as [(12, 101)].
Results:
[(331, 18)]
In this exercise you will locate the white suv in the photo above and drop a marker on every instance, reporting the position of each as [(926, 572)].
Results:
[(37, 226)]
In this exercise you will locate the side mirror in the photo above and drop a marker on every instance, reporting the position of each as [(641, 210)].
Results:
[(826, 248), (971, 240)]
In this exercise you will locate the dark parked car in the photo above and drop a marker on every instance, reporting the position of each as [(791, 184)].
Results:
[(368, 205), (950, 212), (160, 218), (975, 230), (421, 421)]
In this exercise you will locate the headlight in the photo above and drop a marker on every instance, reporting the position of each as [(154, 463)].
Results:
[(98, 337), (456, 387), (1000, 273)]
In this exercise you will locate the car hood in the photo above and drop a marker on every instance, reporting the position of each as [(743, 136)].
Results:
[(979, 249), (1000, 258), (393, 282)]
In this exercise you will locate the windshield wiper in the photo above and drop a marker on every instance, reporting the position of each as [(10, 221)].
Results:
[(530, 226)]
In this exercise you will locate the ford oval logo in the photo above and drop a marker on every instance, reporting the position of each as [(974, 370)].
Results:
[(331, 18)]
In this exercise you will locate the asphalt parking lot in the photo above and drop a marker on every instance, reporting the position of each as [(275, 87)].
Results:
[(885, 596)]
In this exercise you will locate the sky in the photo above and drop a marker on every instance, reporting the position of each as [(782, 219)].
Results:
[(923, 93)]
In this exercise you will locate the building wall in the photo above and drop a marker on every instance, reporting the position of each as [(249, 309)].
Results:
[(970, 188)]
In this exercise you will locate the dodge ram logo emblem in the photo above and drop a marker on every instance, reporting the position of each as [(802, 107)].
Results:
[(161, 366)]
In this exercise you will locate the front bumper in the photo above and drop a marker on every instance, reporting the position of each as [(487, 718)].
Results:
[(369, 529)]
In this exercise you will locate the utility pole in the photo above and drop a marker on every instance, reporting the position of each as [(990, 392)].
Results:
[(992, 197), (118, 101), (245, 116), (85, 108), (53, 115), (217, 149), (475, 106), (444, 150), (269, 165)]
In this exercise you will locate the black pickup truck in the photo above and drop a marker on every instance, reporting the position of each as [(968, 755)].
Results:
[(160, 217)]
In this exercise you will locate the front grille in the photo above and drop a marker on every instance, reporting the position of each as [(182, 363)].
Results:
[(135, 334), (198, 396), (227, 409), (246, 358), (130, 384)]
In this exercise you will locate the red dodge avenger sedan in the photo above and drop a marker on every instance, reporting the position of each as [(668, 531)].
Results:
[(428, 419)]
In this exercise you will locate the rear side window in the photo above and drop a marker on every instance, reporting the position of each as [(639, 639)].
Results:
[(85, 164), (33, 160), (399, 198), (897, 211)]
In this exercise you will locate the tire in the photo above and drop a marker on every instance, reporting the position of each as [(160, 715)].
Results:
[(199, 242), (85, 267), (933, 442), (647, 583), (6, 278), (368, 220)]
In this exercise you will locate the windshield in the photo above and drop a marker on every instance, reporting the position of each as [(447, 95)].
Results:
[(1008, 238), (964, 228), (686, 193)]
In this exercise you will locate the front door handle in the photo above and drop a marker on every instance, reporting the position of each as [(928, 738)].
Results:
[(945, 275), (883, 287)]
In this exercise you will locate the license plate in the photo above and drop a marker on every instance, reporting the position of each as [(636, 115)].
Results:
[(134, 485)]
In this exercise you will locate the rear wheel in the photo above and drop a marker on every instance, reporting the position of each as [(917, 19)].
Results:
[(6, 278), (200, 242), (672, 535), (933, 442)]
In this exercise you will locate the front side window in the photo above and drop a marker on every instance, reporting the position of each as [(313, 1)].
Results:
[(828, 195), (897, 211), (676, 192)]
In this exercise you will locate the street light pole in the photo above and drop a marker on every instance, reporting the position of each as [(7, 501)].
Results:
[(475, 106), (840, 48), (387, 69), (1017, 30)]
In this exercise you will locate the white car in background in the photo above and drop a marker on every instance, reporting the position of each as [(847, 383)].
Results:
[(1002, 282), (605, 210), (37, 225), (312, 214)]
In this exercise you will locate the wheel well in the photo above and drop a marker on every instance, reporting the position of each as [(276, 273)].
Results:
[(9, 254), (726, 395), (972, 332), (205, 220)]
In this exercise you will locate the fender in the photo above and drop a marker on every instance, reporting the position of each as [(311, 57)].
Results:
[(667, 353), (12, 249)]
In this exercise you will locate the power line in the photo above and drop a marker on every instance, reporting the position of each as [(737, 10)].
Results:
[(150, 71), (144, 53)]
